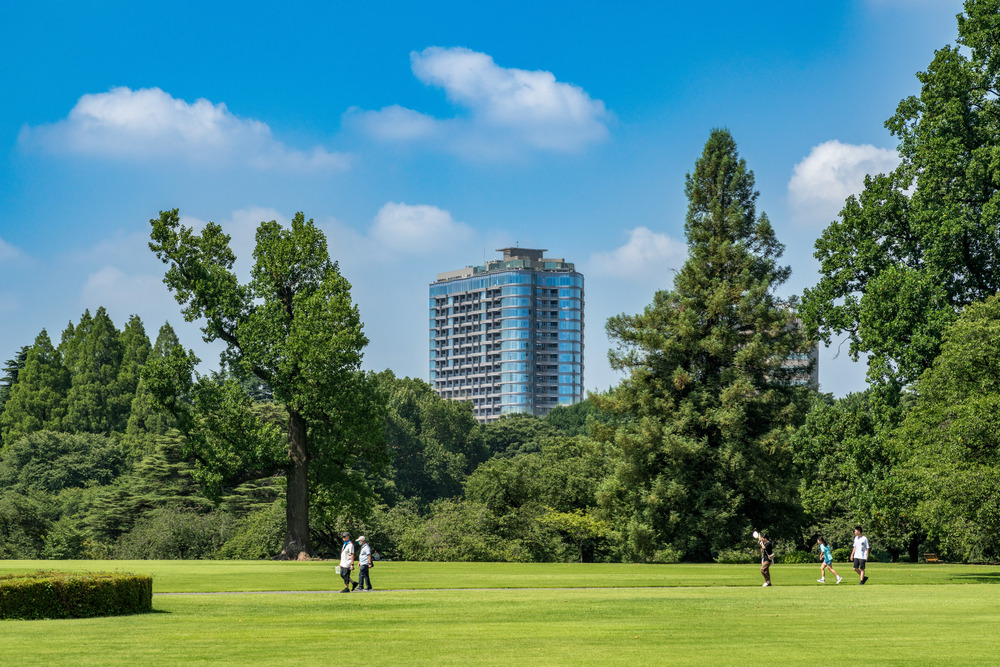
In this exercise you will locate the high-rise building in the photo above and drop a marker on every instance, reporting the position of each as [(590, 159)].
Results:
[(508, 336)]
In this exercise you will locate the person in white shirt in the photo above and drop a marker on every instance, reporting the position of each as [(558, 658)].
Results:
[(347, 563), (364, 563), (859, 554)]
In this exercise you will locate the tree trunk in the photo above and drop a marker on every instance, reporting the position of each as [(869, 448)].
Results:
[(297, 539)]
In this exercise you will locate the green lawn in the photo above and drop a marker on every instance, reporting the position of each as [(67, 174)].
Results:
[(546, 614)]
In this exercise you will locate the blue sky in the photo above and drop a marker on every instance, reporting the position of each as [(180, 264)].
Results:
[(422, 136)]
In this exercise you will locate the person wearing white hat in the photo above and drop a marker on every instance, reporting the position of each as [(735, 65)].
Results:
[(364, 563)]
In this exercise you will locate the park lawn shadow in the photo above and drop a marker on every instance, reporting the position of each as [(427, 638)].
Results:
[(978, 578)]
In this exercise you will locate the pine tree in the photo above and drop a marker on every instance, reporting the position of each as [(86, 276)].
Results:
[(38, 399), (702, 420)]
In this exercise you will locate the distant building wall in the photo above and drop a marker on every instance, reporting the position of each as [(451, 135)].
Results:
[(508, 336)]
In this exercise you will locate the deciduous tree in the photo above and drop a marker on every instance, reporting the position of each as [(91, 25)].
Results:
[(294, 327), (921, 243)]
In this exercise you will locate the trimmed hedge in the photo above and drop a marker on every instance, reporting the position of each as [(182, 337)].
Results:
[(41, 594)]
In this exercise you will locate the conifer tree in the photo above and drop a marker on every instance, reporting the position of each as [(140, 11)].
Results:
[(97, 360), (699, 443), (38, 400), (136, 349), (11, 369), (146, 418)]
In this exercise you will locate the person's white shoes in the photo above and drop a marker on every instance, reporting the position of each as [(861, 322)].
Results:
[(767, 583), (838, 579), (822, 581)]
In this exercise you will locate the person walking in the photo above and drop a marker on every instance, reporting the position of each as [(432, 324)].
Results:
[(347, 563), (766, 557), (364, 564), (859, 555), (826, 560)]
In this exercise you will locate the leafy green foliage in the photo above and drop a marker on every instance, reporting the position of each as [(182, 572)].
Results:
[(74, 595), (699, 444), (848, 475), (24, 521), (434, 443), (38, 400), (257, 535), (11, 369), (50, 461), (920, 244), (517, 434), (294, 327), (952, 475)]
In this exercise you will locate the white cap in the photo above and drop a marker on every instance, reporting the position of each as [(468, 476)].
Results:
[(361, 538)]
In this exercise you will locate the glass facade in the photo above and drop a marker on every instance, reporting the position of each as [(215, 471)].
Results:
[(508, 336)]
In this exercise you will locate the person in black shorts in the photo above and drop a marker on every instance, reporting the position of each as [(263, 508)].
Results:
[(859, 555), (766, 557)]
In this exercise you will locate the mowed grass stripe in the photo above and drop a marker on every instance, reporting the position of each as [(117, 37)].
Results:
[(915, 624), (235, 576)]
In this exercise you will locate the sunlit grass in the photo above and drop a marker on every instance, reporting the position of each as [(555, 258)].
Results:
[(511, 614)]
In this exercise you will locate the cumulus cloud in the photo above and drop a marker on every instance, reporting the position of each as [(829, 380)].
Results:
[(505, 111), (150, 124), (830, 173), (417, 229), (645, 257)]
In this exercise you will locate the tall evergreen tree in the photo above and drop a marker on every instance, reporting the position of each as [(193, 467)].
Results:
[(38, 400), (136, 349), (93, 402), (11, 369), (146, 418), (699, 445), (71, 341)]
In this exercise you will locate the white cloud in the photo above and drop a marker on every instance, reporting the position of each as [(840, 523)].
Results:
[(646, 257), (417, 229), (149, 124), (9, 254), (830, 173), (507, 110), (394, 123)]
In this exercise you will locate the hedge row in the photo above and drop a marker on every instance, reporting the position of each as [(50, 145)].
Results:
[(74, 595)]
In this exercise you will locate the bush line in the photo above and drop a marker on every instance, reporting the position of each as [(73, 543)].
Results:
[(45, 594)]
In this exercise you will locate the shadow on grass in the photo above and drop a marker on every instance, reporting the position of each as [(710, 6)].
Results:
[(979, 578)]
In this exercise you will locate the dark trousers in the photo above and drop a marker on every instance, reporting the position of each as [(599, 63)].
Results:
[(345, 573), (364, 581)]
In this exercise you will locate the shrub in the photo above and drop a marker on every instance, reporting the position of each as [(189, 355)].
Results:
[(738, 556), (258, 535), (170, 534), (842, 555), (798, 557), (74, 595)]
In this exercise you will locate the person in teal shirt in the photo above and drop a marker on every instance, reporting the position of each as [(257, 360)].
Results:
[(826, 560)]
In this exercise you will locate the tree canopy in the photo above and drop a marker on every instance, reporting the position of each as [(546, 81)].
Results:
[(922, 242), (294, 327), (699, 450)]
